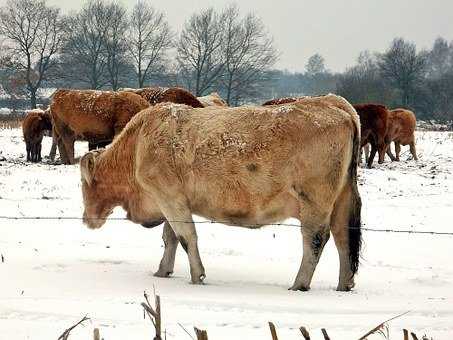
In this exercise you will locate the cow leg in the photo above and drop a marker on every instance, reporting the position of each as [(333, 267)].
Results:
[(53, 149), (68, 142), (412, 149), (314, 239), (39, 147), (389, 153), (180, 218), (372, 155), (33, 152), (397, 151), (28, 148), (367, 152), (167, 263)]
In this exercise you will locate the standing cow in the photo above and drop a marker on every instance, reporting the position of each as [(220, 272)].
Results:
[(36, 123), (94, 116), (156, 95), (401, 131), (245, 166), (374, 120), (212, 99)]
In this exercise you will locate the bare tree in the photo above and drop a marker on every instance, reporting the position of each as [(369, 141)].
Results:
[(115, 43), (363, 82), (149, 38), (199, 54), (403, 67), (248, 54), (84, 54), (33, 33)]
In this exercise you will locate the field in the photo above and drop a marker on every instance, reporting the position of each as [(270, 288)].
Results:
[(56, 271)]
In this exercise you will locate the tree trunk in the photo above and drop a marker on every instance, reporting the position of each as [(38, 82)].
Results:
[(33, 99)]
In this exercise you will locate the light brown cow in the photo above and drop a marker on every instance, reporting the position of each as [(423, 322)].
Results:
[(245, 166), (156, 95), (94, 116), (36, 123), (401, 131), (212, 99)]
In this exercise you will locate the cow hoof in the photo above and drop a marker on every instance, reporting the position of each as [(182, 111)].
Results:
[(198, 280), (162, 273), (300, 288), (345, 287)]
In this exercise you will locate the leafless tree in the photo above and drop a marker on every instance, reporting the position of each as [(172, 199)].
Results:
[(34, 35), (404, 67), (115, 43), (149, 38), (199, 54), (248, 53), (85, 56), (363, 82)]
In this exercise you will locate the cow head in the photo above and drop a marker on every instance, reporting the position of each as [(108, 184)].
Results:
[(98, 206)]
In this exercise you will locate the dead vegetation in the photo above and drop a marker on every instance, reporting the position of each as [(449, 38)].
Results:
[(155, 316)]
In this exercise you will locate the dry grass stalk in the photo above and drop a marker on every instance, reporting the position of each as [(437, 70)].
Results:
[(305, 333), (154, 314), (324, 333), (96, 334), (381, 328), (65, 334), (273, 331), (201, 334)]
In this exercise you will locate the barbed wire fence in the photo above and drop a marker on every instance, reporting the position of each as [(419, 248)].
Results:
[(255, 225)]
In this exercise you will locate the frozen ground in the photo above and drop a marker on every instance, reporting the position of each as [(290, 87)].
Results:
[(54, 272)]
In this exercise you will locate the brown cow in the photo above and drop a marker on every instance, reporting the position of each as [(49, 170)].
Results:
[(374, 123), (155, 95), (94, 116), (212, 99), (401, 131), (244, 166), (34, 126), (279, 101)]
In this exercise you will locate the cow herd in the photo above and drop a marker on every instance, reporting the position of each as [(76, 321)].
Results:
[(173, 155)]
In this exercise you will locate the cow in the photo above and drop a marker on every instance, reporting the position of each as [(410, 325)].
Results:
[(94, 116), (279, 101), (155, 95), (401, 131), (245, 166), (212, 99), (36, 123), (374, 120)]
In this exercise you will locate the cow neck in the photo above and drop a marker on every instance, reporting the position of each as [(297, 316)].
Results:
[(114, 175)]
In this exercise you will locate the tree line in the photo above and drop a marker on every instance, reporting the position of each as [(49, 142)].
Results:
[(106, 46)]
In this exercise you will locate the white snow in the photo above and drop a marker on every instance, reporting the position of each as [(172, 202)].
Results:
[(4, 111), (54, 272)]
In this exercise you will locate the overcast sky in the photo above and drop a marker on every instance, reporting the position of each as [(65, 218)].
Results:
[(337, 29)]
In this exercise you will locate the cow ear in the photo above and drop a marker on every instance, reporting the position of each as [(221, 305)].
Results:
[(87, 167)]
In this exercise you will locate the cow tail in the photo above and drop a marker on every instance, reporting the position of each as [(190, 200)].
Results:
[(355, 232)]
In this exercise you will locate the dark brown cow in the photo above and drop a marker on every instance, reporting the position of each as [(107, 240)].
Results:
[(35, 124), (155, 95), (94, 116), (279, 101), (374, 124), (401, 131)]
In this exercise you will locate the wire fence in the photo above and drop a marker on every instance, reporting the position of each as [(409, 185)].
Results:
[(256, 225)]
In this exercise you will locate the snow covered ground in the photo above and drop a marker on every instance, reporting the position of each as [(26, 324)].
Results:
[(54, 272)]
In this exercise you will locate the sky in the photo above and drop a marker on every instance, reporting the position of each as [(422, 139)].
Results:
[(337, 29)]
